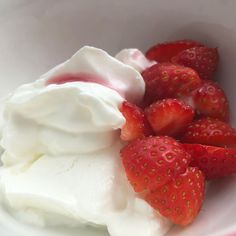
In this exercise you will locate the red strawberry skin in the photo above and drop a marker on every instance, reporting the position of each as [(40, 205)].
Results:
[(181, 199), (210, 100), (202, 59), (153, 161), (210, 131), (166, 80), (136, 125), (169, 116), (215, 162), (163, 52)]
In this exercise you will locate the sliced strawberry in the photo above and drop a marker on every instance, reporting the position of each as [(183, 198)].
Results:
[(202, 59), (136, 125), (153, 161), (166, 80), (163, 52), (169, 116), (210, 131), (210, 100), (215, 162), (181, 199)]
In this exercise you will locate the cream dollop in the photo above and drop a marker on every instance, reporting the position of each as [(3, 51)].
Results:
[(72, 118), (134, 58), (118, 75), (61, 149), (76, 117)]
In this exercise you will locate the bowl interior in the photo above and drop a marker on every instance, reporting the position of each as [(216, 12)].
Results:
[(37, 35)]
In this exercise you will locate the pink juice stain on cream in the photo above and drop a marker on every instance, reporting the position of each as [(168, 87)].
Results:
[(82, 77), (61, 163)]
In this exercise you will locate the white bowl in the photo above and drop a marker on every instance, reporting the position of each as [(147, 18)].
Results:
[(37, 35)]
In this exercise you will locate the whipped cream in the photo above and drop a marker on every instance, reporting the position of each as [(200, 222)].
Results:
[(134, 58), (72, 118), (124, 79), (61, 149)]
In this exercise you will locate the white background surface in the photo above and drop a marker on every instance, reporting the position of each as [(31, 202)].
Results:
[(36, 35)]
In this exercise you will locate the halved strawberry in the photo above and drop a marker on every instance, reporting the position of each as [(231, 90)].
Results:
[(163, 52), (136, 125), (202, 59), (153, 161), (181, 199), (210, 100), (210, 131), (215, 162), (169, 116), (166, 80)]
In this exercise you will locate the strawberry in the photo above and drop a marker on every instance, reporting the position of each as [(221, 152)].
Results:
[(181, 199), (163, 52), (210, 100), (169, 116), (210, 131), (153, 161), (166, 80), (215, 162), (136, 125), (202, 59)]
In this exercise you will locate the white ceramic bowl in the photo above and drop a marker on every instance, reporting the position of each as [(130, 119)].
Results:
[(37, 35)]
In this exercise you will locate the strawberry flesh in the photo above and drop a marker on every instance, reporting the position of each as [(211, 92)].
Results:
[(210, 100), (136, 125), (181, 199), (169, 116), (153, 161), (163, 52), (202, 59), (215, 162), (210, 131), (166, 80)]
